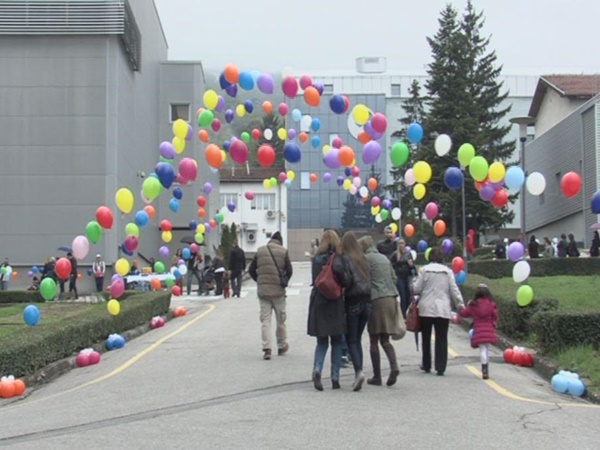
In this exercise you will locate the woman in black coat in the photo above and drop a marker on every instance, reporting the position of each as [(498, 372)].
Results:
[(327, 318), (595, 248)]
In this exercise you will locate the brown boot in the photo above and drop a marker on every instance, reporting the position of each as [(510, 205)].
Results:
[(394, 372), (376, 362)]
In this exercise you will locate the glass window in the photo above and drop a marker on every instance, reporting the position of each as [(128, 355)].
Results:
[(225, 199), (180, 111), (263, 202), (328, 89), (304, 180), (395, 90), (557, 176)]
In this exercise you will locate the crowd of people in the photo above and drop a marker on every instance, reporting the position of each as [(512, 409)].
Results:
[(563, 247)]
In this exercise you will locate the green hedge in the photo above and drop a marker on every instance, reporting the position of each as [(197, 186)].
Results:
[(21, 297), (539, 267), (557, 330), (34, 349)]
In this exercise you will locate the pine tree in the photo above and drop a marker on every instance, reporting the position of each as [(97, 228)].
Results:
[(274, 123), (357, 213)]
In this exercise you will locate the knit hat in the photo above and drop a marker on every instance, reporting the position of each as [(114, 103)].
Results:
[(277, 236)]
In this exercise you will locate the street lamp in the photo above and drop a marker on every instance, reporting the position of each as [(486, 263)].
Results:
[(523, 122)]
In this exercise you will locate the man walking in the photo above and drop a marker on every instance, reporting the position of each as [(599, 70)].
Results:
[(269, 263), (237, 265), (387, 246)]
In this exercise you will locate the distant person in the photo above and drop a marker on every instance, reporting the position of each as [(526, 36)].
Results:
[(314, 246), (561, 247), (5, 274), (237, 265), (98, 269), (387, 246), (152, 265), (48, 270), (471, 244), (403, 265), (194, 266), (500, 250), (548, 248), (595, 248), (572, 250), (219, 268), (73, 275), (533, 248)]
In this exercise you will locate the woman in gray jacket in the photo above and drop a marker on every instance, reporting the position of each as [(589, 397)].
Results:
[(438, 289)]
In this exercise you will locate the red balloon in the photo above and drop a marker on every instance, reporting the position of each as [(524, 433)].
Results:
[(201, 201), (458, 264), (82, 360), (166, 225), (63, 268), (508, 355), (256, 134), (265, 155), (519, 358), (528, 360), (500, 198), (94, 357), (176, 291), (105, 217), (570, 184)]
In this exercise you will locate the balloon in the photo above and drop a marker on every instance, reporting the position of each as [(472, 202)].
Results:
[(422, 246), (379, 122), (521, 271), (439, 228), (516, 251), (167, 150), (514, 178), (422, 172), (315, 125), (267, 107), (180, 128), (213, 156), (231, 206), (63, 268), (104, 217), (346, 155), (124, 200), (337, 104), (409, 177), (524, 295), (409, 230), (536, 183), (289, 86), (487, 192), (360, 114), (246, 81), (265, 155), (500, 199), (117, 288), (239, 151), (371, 152), (419, 191), (122, 266), (443, 144), (205, 119), (249, 195), (315, 141), (159, 267), (570, 184), (265, 84), (31, 315), (466, 153), (460, 277), (454, 178), (151, 188), (458, 264), (114, 307), (232, 90), (248, 106), (220, 105), (312, 97), (141, 219), (81, 247), (595, 203), (210, 99), (431, 210), (414, 133), (232, 74), (229, 115), (93, 231), (166, 174), (399, 154), (478, 168), (447, 246), (575, 387), (207, 188), (497, 172), (292, 152)]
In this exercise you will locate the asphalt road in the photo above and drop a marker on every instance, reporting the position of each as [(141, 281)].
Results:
[(200, 382)]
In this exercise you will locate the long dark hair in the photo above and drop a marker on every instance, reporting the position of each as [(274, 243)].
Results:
[(353, 251), (482, 291)]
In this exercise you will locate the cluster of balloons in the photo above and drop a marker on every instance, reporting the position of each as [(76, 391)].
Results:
[(87, 357), (519, 356), (458, 267), (157, 322), (11, 387), (180, 311), (566, 382), (115, 341)]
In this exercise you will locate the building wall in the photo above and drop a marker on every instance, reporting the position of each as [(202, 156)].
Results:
[(553, 109)]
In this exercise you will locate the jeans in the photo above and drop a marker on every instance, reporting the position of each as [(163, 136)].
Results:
[(357, 317), (236, 282), (441, 342), (73, 284), (4, 285), (99, 284), (403, 287), (190, 274), (336, 355)]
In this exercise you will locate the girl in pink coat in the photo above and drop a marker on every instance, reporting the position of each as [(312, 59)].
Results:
[(484, 312)]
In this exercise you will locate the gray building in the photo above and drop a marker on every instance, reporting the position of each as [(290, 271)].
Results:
[(86, 97)]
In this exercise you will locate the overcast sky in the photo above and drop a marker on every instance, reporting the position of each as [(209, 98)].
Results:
[(529, 36)]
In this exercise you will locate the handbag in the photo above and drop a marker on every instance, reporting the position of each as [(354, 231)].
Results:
[(326, 283), (400, 325), (284, 280), (413, 321)]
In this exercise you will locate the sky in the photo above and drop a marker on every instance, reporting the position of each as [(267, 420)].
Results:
[(530, 37)]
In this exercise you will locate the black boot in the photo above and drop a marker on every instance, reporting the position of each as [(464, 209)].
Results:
[(376, 362), (484, 371), (391, 355)]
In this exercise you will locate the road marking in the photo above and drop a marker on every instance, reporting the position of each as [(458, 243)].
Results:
[(125, 365)]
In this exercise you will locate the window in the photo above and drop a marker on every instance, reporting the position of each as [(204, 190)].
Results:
[(225, 199), (304, 180), (180, 111), (328, 89), (395, 90), (263, 202), (557, 177)]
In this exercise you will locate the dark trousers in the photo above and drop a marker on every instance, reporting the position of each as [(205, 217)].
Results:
[(403, 287), (190, 276), (219, 281), (441, 342), (357, 317), (99, 284), (236, 282), (73, 284)]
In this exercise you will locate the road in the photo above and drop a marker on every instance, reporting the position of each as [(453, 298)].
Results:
[(200, 382)]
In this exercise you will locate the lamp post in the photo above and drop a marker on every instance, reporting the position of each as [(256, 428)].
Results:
[(523, 122)]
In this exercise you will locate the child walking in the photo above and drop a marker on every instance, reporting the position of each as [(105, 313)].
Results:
[(482, 308)]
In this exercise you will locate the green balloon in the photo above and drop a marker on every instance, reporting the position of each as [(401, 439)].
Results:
[(427, 252), (170, 281), (93, 231), (3, 270), (151, 188), (478, 168), (206, 118), (199, 238), (245, 137), (384, 214), (48, 288), (219, 218), (273, 182), (466, 153), (524, 295), (159, 267), (132, 229), (165, 160), (399, 154)]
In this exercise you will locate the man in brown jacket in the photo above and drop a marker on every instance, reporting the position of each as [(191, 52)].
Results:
[(269, 263)]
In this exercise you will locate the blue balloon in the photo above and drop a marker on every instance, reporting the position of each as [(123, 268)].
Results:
[(119, 341), (174, 205), (296, 115), (337, 104), (178, 193), (246, 81), (110, 343), (31, 315), (193, 225), (226, 145), (320, 87), (89, 271), (340, 180), (315, 141), (142, 218), (347, 171), (166, 174), (35, 269), (514, 178), (460, 277), (223, 82), (576, 387), (232, 90), (248, 106), (560, 383), (186, 253), (292, 152), (422, 246), (415, 133), (454, 178), (315, 125), (177, 274), (596, 203)]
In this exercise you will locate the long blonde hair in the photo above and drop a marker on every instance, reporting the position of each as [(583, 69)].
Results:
[(354, 253), (330, 241)]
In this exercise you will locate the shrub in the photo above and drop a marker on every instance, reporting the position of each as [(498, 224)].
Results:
[(543, 267), (30, 351), (21, 297), (558, 330)]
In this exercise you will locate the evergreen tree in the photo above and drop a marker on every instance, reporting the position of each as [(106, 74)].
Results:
[(273, 122), (228, 235), (357, 212)]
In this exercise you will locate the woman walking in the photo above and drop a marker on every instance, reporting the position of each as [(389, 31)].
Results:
[(385, 317), (326, 318), (438, 289), (358, 303)]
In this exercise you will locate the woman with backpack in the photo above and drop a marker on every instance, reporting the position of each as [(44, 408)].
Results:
[(327, 318)]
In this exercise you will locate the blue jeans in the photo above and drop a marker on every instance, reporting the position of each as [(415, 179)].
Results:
[(336, 354), (190, 276), (403, 287), (357, 317)]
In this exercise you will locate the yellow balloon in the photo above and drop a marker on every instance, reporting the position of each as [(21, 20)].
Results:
[(394, 227), (422, 172), (122, 266), (124, 199), (180, 128), (291, 175), (360, 114), (497, 172), (347, 184), (167, 236), (375, 210), (179, 145), (267, 183), (114, 307), (419, 191), (201, 228), (223, 155), (326, 149), (240, 110), (211, 99), (282, 133)]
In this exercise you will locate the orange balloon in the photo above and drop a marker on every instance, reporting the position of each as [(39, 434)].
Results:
[(203, 136), (439, 227), (346, 156), (232, 73), (201, 212), (79, 276), (363, 137), (409, 230), (213, 156), (311, 96), (7, 389), (313, 177), (212, 223), (479, 185), (19, 387), (372, 184), (200, 110), (155, 284), (150, 211), (15, 275), (303, 137), (267, 107)]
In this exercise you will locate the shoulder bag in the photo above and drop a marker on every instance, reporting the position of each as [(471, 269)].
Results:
[(283, 277)]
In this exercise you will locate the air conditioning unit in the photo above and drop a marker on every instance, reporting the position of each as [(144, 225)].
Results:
[(251, 236), (271, 214)]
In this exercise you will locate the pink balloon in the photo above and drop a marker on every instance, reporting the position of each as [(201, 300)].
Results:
[(249, 195), (431, 210), (131, 243), (282, 177), (283, 109), (188, 169), (337, 142), (216, 125), (306, 81), (238, 150), (355, 171), (194, 248), (94, 357), (379, 123), (81, 247), (117, 288), (375, 201), (289, 86)]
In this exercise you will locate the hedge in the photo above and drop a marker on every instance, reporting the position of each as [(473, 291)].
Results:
[(542, 267), (21, 297), (557, 330), (42, 345)]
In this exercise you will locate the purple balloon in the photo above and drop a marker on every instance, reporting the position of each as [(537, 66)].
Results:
[(116, 277), (164, 251), (232, 90), (220, 104), (231, 206), (340, 180), (515, 251), (371, 152), (190, 134), (229, 115), (331, 159), (291, 133), (447, 247), (167, 150), (386, 204), (319, 87), (498, 185), (265, 83), (369, 129), (207, 227), (487, 192), (207, 188), (326, 177)]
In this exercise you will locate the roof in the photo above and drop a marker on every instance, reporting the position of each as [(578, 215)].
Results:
[(571, 86), (239, 174)]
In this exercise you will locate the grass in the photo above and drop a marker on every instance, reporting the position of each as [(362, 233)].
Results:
[(583, 360)]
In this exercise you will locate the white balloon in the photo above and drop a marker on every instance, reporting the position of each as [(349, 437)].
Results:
[(81, 247), (363, 191), (396, 213), (409, 177), (536, 183), (521, 271), (305, 123), (356, 181), (353, 189), (378, 218), (182, 269), (443, 144), (268, 134), (413, 253)]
